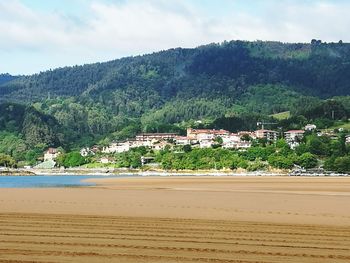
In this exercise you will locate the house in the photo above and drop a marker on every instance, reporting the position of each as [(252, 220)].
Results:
[(205, 143), (237, 145), (51, 154), (248, 134), (347, 139), (233, 137), (86, 152), (160, 145), (117, 147), (293, 144), (205, 134), (182, 140), (106, 160), (136, 144), (243, 145), (266, 134), (155, 136), (294, 135), (310, 127)]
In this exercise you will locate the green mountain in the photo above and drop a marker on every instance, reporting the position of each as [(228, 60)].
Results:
[(165, 91), (214, 70), (4, 78)]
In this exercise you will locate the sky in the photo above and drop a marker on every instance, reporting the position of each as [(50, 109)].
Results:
[(38, 35)]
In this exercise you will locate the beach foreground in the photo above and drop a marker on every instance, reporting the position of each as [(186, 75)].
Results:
[(176, 219)]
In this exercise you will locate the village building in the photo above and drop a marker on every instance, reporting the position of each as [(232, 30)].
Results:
[(310, 127), (294, 135), (106, 160), (205, 134), (87, 151), (233, 137), (136, 144), (51, 154), (155, 136), (160, 145), (237, 145), (182, 140), (252, 135), (347, 139), (266, 134), (117, 147), (206, 143)]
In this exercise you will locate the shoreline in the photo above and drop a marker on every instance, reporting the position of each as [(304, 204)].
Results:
[(136, 172), (105, 172)]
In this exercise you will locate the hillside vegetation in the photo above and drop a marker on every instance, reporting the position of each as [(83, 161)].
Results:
[(230, 85)]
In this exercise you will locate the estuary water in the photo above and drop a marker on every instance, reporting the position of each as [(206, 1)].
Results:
[(45, 181)]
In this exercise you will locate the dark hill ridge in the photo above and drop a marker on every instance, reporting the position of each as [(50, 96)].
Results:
[(4, 78), (211, 71)]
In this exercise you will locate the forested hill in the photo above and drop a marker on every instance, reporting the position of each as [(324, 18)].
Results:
[(4, 78), (215, 70), (182, 86)]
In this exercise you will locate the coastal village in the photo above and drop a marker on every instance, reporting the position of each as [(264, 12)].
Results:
[(196, 138)]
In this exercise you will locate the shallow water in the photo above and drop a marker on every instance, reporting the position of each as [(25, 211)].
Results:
[(44, 181)]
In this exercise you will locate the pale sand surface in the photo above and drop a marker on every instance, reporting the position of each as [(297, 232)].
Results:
[(177, 219)]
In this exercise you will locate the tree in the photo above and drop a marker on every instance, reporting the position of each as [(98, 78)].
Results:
[(71, 159), (318, 145), (342, 164), (187, 148), (246, 138), (218, 140), (281, 162), (307, 160), (7, 161)]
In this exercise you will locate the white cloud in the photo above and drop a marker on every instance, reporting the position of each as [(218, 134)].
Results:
[(134, 27)]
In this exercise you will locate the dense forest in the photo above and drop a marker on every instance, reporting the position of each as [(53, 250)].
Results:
[(4, 78), (231, 85)]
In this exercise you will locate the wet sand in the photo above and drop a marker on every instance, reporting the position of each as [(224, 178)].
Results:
[(176, 219)]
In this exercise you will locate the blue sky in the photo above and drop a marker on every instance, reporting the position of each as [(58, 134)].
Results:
[(38, 35)]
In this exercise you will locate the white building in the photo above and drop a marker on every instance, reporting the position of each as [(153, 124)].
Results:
[(155, 136), (117, 147), (347, 139), (182, 140), (160, 145), (86, 152), (310, 127), (237, 145), (205, 134), (205, 143), (244, 145), (106, 160), (294, 135), (233, 137)]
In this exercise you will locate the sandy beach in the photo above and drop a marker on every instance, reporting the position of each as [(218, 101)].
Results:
[(179, 219)]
